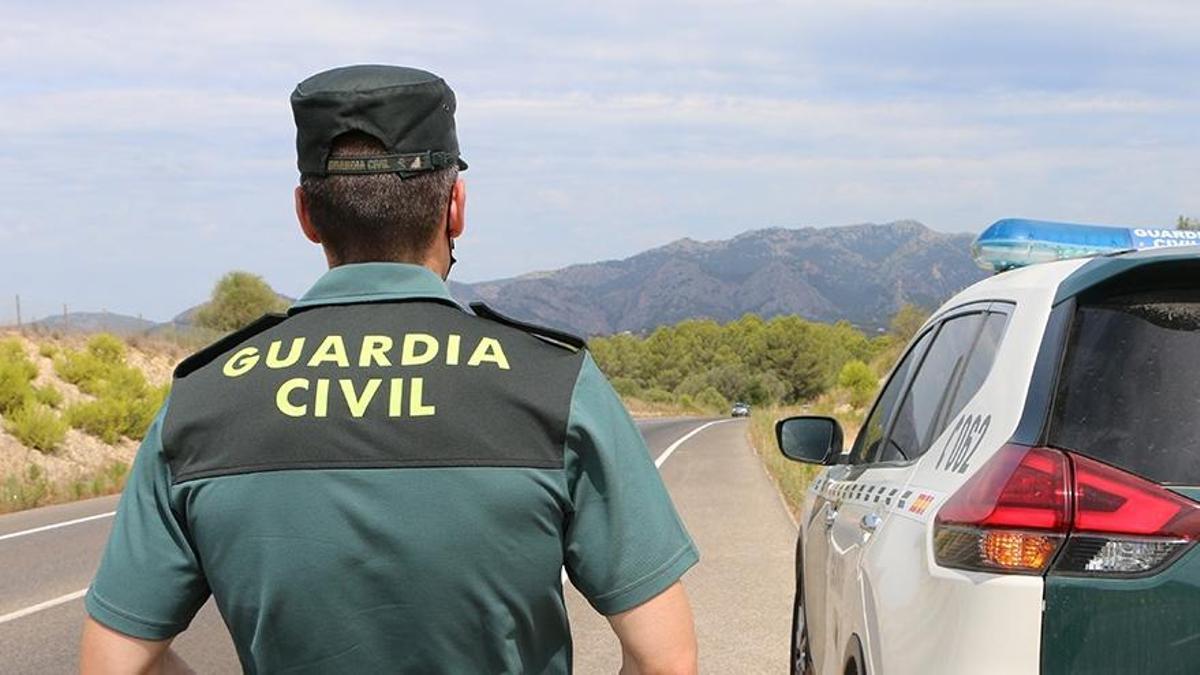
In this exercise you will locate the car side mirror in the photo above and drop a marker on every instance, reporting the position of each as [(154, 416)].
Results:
[(810, 439)]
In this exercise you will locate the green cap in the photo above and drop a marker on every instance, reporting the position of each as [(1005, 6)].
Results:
[(410, 111)]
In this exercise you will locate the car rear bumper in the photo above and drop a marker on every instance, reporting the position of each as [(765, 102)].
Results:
[(1149, 625)]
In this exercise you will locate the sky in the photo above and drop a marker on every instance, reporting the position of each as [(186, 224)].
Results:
[(146, 148)]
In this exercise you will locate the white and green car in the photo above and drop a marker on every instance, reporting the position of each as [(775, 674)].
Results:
[(1023, 496)]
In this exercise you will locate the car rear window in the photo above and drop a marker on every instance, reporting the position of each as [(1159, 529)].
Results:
[(1129, 393)]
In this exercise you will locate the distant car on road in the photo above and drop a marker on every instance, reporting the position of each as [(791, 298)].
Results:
[(740, 409), (1023, 496)]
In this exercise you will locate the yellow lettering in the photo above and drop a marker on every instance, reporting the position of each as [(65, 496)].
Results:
[(396, 397), (489, 350), (241, 362), (284, 403), (321, 402), (358, 404), (416, 407), (452, 346), (375, 348), (409, 355), (293, 356), (332, 349)]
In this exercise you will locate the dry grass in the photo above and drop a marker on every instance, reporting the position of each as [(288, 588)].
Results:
[(792, 477), (33, 488)]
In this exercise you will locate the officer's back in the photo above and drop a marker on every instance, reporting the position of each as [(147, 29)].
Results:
[(380, 481)]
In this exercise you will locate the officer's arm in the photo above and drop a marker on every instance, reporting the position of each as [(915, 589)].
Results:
[(657, 636), (104, 651), (150, 583)]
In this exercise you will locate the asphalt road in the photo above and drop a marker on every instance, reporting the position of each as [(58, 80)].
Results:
[(740, 591)]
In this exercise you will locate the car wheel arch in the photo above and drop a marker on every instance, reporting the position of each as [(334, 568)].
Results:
[(854, 659)]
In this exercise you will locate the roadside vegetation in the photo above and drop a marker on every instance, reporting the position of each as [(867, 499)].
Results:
[(71, 411), (123, 403), (237, 299), (35, 488), (73, 408), (785, 366), (791, 477), (701, 364), (29, 411)]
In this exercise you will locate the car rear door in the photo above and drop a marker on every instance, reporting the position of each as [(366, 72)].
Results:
[(824, 574), (896, 616), (870, 554)]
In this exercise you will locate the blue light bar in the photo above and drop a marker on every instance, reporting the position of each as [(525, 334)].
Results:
[(1016, 242)]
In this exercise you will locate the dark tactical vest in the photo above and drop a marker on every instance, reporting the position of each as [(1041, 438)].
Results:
[(411, 383)]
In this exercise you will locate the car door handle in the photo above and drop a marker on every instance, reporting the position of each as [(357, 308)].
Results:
[(870, 522), (830, 517)]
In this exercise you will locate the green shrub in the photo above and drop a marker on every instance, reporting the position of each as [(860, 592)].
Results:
[(48, 395), (108, 348), (12, 351), (659, 396), (627, 386), (711, 399), (860, 380), (15, 387), (47, 350), (37, 426), (238, 299), (125, 403), (82, 369), (109, 418), (16, 376)]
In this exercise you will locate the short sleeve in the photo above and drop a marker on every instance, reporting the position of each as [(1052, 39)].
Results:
[(625, 542), (149, 584)]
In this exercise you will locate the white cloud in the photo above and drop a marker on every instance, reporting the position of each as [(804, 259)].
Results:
[(156, 136), (132, 109)]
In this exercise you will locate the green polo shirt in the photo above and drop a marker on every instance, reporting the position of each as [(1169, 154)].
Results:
[(383, 482)]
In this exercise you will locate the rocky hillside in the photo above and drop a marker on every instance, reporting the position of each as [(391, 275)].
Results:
[(861, 273)]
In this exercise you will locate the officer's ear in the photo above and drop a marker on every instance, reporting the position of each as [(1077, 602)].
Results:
[(457, 214), (306, 225)]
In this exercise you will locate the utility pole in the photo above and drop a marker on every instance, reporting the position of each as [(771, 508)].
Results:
[(18, 311), (66, 321)]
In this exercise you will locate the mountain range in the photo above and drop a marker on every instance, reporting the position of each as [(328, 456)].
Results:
[(860, 273)]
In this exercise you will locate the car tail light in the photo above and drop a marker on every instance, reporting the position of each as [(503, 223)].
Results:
[(1124, 525), (1037, 510), (1011, 516)]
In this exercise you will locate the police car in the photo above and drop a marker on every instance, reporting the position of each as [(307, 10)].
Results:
[(1023, 496)]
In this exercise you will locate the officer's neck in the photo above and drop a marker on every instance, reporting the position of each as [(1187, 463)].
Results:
[(438, 264)]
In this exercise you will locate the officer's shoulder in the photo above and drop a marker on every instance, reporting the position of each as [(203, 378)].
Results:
[(207, 355), (551, 336)]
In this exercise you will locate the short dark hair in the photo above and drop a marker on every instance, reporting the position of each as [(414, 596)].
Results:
[(376, 217)]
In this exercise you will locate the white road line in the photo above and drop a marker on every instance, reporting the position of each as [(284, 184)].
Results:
[(33, 609), (674, 446), (55, 526)]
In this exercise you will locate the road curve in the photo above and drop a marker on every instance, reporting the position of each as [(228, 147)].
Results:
[(741, 590)]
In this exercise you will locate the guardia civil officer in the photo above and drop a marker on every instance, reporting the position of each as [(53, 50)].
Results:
[(379, 481)]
